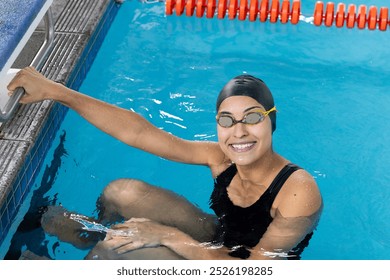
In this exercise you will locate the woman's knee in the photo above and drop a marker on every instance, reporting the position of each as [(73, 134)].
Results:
[(124, 191), (120, 197)]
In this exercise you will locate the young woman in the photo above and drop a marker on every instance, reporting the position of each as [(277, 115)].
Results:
[(265, 206)]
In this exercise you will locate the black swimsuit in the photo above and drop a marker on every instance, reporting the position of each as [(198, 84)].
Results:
[(241, 228)]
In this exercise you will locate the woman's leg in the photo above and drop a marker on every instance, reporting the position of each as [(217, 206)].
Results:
[(57, 221), (128, 198), (125, 199), (102, 252)]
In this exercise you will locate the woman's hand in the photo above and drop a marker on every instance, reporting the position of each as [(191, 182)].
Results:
[(36, 86), (136, 233)]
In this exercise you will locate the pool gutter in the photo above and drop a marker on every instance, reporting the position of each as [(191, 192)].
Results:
[(80, 28)]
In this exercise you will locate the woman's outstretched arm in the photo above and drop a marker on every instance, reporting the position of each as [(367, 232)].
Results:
[(125, 125)]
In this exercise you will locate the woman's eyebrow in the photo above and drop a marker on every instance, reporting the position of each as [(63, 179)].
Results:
[(253, 107), (246, 110), (224, 113)]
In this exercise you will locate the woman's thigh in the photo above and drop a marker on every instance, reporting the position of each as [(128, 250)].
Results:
[(129, 198)]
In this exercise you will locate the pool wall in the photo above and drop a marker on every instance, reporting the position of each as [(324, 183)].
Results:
[(80, 28)]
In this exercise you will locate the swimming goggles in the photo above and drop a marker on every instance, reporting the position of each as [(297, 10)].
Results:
[(251, 118)]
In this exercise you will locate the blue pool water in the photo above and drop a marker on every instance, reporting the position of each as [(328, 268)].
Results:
[(331, 89)]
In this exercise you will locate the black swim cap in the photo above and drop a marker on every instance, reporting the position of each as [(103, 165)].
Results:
[(247, 85)]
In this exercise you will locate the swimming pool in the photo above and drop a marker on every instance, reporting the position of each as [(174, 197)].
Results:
[(330, 87)]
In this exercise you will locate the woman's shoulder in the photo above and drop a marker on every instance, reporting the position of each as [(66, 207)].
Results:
[(300, 195)]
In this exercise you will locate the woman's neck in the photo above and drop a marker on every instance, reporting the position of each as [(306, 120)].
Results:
[(260, 171)]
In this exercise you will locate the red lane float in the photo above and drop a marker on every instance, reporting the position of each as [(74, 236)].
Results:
[(372, 18), (253, 10), (296, 12), (242, 9), (210, 10), (190, 7), (351, 16), (284, 11), (318, 13), (274, 11), (200, 7), (383, 19), (340, 15), (329, 14), (264, 10), (222, 8), (169, 5), (180, 7), (361, 17), (232, 9)]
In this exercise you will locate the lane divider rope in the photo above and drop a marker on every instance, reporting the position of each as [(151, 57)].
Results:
[(283, 11)]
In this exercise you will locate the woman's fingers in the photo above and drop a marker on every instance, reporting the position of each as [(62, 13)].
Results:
[(116, 242), (19, 78), (130, 247), (123, 244), (36, 86), (138, 220), (130, 224)]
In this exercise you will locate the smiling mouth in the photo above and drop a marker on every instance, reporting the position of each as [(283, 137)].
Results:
[(244, 147)]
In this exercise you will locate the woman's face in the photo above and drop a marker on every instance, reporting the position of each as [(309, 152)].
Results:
[(244, 144)]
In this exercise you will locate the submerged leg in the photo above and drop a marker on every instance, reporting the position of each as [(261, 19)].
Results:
[(125, 199), (128, 198), (101, 252), (57, 221)]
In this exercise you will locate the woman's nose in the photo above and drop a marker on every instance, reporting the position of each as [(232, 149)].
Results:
[(240, 130)]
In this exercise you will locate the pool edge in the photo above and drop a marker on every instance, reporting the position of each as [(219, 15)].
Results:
[(26, 142)]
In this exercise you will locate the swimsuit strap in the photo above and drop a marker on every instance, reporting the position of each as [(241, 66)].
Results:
[(226, 176), (280, 179)]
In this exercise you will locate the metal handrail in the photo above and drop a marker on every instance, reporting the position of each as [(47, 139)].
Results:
[(12, 103)]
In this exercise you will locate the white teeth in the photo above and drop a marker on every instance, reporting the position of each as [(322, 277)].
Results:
[(241, 147)]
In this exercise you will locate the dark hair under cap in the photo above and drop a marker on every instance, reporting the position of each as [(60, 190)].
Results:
[(247, 85)]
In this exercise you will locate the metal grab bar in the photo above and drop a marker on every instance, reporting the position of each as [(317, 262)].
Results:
[(12, 103)]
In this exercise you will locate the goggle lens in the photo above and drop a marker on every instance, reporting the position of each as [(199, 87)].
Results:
[(250, 118), (253, 118), (225, 121)]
